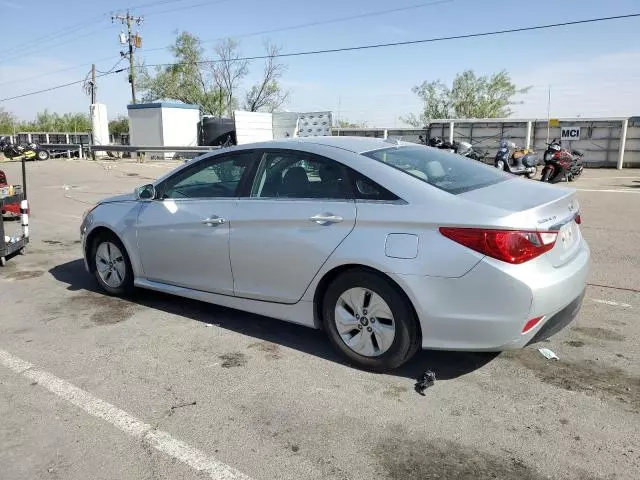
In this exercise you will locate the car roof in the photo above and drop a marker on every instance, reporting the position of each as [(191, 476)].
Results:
[(352, 144)]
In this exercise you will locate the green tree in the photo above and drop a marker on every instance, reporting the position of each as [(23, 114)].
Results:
[(119, 126), (470, 96), (213, 83), (47, 121), (188, 80), (7, 121), (345, 123)]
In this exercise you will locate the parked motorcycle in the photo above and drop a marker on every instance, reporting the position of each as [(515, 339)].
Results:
[(518, 161), (466, 150), (28, 151), (561, 164), (461, 148)]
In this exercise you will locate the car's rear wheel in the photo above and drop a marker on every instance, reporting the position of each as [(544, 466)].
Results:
[(369, 321), (42, 155), (111, 265)]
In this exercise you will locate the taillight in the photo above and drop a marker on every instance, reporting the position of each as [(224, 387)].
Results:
[(578, 219), (531, 324), (512, 246)]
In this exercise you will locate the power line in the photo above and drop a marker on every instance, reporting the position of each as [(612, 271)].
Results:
[(322, 22), (67, 30), (46, 74), (57, 86), (415, 42), (112, 68), (363, 47), (61, 32), (38, 48), (186, 7)]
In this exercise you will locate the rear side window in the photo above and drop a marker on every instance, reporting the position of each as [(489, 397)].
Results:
[(447, 171), (366, 189)]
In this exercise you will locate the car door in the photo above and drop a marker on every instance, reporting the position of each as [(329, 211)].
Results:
[(299, 210), (183, 236)]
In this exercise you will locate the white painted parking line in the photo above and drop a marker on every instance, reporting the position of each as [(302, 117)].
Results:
[(613, 304), (78, 217), (132, 426), (605, 190), (604, 178)]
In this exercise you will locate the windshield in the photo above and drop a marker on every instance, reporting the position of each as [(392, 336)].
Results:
[(446, 171)]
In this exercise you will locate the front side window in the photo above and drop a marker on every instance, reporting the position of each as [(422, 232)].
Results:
[(294, 174), (447, 171), (218, 177)]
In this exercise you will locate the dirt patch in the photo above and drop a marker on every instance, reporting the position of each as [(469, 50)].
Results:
[(25, 274), (52, 242), (234, 359), (20, 331), (599, 333), (271, 349), (575, 343), (609, 383), (404, 459), (101, 309), (394, 391)]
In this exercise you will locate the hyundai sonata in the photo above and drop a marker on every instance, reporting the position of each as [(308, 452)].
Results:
[(385, 245)]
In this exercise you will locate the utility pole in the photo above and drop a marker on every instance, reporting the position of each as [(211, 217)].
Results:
[(93, 84), (134, 41)]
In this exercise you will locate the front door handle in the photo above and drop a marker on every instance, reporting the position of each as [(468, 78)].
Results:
[(326, 218), (214, 221)]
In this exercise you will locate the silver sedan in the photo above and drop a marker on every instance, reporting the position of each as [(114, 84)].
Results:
[(387, 246)]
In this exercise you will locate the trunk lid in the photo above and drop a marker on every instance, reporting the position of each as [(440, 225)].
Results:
[(538, 206)]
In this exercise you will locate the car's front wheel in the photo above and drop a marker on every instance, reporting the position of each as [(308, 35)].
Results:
[(369, 321), (111, 265)]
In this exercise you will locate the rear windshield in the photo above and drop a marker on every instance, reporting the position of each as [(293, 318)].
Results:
[(447, 171)]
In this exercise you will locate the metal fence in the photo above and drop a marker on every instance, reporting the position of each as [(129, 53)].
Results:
[(606, 142)]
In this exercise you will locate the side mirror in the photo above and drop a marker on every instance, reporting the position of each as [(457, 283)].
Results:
[(146, 193)]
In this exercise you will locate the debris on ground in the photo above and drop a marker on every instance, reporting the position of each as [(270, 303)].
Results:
[(426, 380), (548, 354), (189, 404)]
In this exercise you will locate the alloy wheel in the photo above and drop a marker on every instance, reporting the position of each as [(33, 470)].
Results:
[(364, 322), (110, 264)]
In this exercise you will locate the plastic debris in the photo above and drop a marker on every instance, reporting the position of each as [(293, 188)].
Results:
[(188, 404), (426, 380), (548, 354)]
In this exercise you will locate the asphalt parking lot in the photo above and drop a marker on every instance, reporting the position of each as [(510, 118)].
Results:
[(163, 388)]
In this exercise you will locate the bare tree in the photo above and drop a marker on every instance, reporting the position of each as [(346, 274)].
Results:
[(268, 94), (228, 71)]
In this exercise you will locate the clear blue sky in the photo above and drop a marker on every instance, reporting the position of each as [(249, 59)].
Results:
[(593, 69)]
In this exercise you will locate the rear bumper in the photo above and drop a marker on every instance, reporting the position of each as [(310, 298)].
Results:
[(559, 321), (487, 309)]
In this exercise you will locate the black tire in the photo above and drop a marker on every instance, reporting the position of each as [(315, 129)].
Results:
[(546, 173), (126, 288), (406, 340), (532, 174), (42, 155)]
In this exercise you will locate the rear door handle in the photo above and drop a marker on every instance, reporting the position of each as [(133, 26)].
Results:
[(326, 218), (214, 221)]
